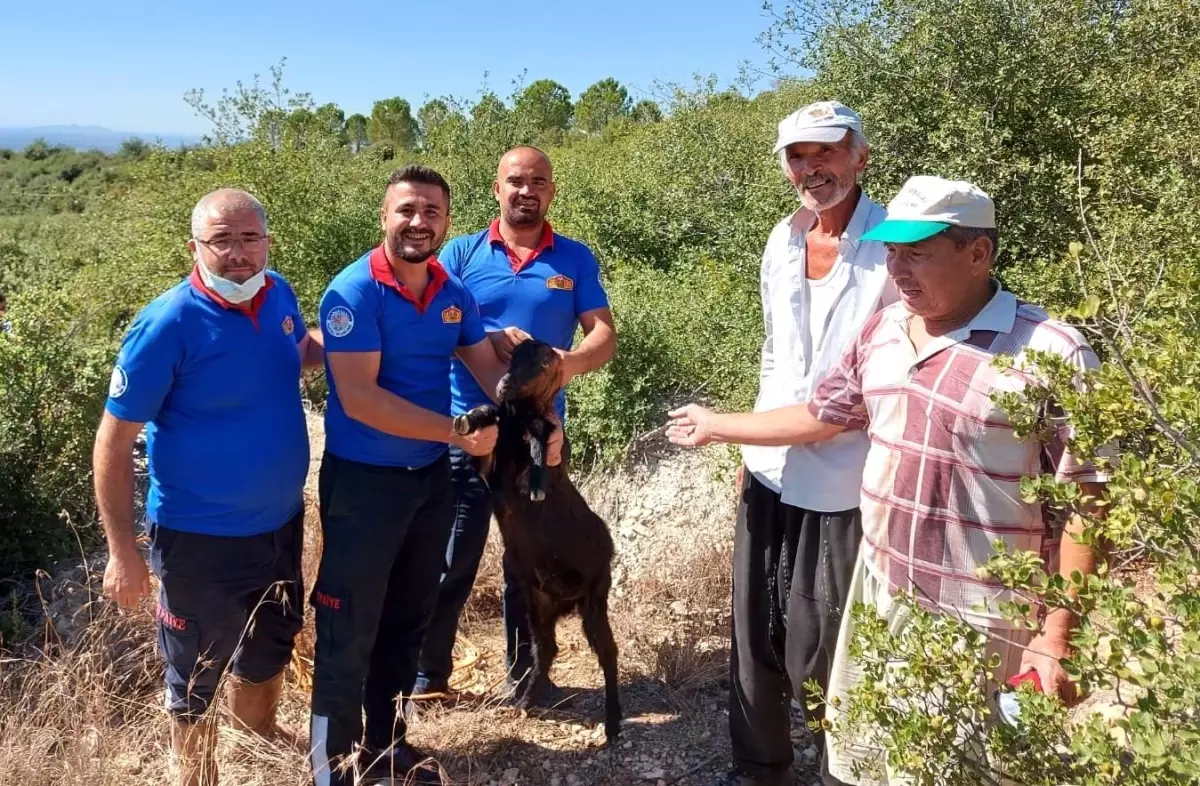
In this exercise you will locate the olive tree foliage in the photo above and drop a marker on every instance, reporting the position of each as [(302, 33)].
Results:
[(1047, 106)]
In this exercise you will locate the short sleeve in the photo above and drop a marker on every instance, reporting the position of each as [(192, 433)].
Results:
[(350, 317), (291, 308), (838, 398), (451, 256), (1059, 461), (472, 331), (589, 292), (146, 366)]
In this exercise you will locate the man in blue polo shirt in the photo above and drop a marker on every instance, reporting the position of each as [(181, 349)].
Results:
[(212, 367), (528, 281), (393, 320)]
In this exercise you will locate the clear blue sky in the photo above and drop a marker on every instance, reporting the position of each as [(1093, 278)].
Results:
[(126, 65)]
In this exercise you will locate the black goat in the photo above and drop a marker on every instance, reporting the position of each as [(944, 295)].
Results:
[(559, 549)]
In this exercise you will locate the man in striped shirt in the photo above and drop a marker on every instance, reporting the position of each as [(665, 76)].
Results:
[(942, 477)]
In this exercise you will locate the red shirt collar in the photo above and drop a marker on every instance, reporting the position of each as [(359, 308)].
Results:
[(250, 308), (381, 271), (547, 242)]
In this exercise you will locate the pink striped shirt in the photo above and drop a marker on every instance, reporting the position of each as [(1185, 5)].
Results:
[(943, 474)]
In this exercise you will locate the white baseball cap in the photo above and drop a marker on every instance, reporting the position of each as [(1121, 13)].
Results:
[(927, 205), (824, 121)]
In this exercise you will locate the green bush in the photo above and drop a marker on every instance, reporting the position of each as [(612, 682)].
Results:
[(53, 379)]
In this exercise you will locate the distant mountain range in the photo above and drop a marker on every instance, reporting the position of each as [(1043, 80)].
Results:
[(87, 137)]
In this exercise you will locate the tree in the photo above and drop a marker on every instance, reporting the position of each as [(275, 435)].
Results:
[(39, 150), (600, 104), (543, 109), (356, 132), (332, 121), (133, 147), (391, 125), (646, 111), (442, 126)]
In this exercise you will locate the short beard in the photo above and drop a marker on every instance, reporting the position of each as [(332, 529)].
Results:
[(412, 258), (517, 218), (842, 189)]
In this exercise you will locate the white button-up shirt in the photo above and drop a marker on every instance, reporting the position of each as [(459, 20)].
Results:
[(803, 343)]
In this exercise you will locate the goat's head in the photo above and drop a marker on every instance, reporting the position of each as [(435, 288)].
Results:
[(534, 373)]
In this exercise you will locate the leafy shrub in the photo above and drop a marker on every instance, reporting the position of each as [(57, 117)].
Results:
[(53, 378)]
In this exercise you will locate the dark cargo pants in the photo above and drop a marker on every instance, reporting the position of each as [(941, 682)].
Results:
[(385, 531), (791, 578), (225, 601)]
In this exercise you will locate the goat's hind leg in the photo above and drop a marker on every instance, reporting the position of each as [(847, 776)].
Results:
[(599, 635), (543, 616)]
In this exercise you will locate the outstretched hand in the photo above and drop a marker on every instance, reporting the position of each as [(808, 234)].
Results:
[(690, 426)]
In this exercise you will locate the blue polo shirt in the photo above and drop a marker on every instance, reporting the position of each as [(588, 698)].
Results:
[(543, 296), (366, 309), (218, 386)]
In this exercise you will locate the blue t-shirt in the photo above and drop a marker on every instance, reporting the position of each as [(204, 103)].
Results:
[(365, 309), (219, 389), (544, 296)]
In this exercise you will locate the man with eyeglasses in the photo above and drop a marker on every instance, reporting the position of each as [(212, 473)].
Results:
[(212, 369)]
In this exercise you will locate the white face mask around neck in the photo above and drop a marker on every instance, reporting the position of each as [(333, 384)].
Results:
[(231, 291)]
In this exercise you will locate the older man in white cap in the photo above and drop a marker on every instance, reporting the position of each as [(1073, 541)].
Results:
[(943, 474), (798, 524)]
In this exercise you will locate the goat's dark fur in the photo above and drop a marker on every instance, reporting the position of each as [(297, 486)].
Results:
[(558, 548)]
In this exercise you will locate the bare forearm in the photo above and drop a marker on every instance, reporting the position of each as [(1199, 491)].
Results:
[(114, 495), (314, 349), (391, 414), (1073, 556), (793, 425), (596, 349)]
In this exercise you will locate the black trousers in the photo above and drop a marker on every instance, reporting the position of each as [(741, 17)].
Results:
[(791, 578), (385, 531)]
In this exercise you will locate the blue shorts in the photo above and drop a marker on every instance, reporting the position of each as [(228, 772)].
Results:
[(225, 601)]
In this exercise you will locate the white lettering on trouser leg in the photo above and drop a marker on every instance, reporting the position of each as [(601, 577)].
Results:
[(319, 734)]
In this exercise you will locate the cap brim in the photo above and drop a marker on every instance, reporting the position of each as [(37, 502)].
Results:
[(901, 231), (821, 134)]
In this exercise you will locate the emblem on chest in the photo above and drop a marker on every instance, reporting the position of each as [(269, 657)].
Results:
[(452, 315), (288, 325), (560, 282)]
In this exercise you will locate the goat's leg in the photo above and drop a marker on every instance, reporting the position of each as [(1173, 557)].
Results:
[(539, 431), (475, 419), (599, 635), (543, 617)]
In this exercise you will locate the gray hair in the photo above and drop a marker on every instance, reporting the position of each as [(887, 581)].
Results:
[(856, 143), (225, 200)]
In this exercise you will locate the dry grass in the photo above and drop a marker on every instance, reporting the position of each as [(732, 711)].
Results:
[(89, 710)]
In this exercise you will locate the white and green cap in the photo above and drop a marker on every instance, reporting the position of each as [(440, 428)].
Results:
[(824, 121), (927, 205)]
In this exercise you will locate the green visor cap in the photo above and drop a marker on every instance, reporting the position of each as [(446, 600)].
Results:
[(901, 231)]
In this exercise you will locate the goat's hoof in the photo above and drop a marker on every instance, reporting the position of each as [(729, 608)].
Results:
[(612, 732), (537, 495), (461, 425)]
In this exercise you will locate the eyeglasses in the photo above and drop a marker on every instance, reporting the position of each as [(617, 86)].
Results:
[(227, 244)]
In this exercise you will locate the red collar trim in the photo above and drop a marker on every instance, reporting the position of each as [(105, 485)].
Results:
[(250, 309), (381, 271), (547, 242)]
